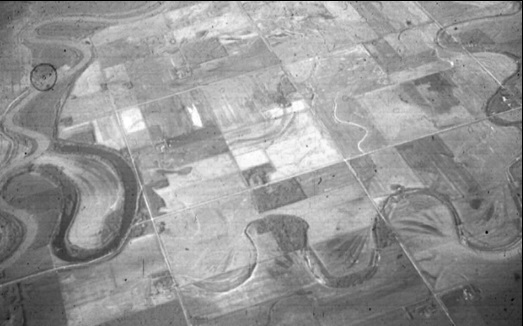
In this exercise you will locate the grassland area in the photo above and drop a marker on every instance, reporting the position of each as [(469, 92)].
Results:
[(260, 163)]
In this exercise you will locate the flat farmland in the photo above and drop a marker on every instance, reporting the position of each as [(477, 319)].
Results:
[(34, 302), (292, 144), (478, 219), (11, 236), (455, 11), (169, 313), (107, 132), (134, 280), (175, 43), (31, 191), (5, 146), (33, 254), (201, 184), (253, 98), (178, 115), (350, 95), (40, 114), (286, 290), (93, 8), (261, 163), (286, 25), (211, 240), (78, 30)]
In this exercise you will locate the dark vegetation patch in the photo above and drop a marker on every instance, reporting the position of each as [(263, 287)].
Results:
[(342, 252), (365, 168), (11, 235), (438, 91), (185, 150), (96, 8), (57, 56), (42, 199), (85, 136), (10, 11), (373, 17), (198, 135), (167, 118), (435, 164), (502, 101), (515, 185), (167, 314), (78, 30), (203, 50), (42, 301), (277, 195), (385, 55), (475, 38), (41, 113), (290, 232), (258, 175), (31, 191)]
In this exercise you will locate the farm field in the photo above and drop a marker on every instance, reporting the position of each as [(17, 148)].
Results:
[(256, 163)]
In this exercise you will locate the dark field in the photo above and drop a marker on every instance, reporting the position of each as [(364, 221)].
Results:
[(31, 191), (11, 235), (77, 30), (71, 8), (35, 302), (36, 258), (41, 113), (42, 302), (168, 314)]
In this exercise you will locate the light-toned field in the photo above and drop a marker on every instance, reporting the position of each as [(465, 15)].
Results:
[(286, 25), (209, 240), (253, 98), (107, 132), (208, 179), (485, 150), (294, 144), (134, 280)]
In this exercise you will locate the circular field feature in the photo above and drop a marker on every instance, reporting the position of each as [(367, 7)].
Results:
[(43, 77)]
